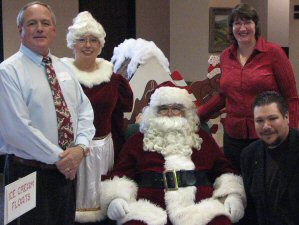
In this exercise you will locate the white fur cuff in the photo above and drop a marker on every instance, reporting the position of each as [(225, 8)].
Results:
[(143, 210), (229, 183), (117, 187)]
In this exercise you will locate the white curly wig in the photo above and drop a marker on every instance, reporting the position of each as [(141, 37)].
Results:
[(85, 24)]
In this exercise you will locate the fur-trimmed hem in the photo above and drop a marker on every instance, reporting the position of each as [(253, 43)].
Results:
[(89, 216), (145, 211), (183, 210)]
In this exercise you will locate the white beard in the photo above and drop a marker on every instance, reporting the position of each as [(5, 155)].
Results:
[(170, 135)]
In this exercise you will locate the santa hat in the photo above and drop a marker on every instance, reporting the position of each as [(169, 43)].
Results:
[(167, 93), (84, 24)]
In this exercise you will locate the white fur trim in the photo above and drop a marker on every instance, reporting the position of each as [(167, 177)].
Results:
[(181, 205), (145, 211), (139, 51), (171, 95), (183, 210), (214, 60), (179, 162), (90, 79), (213, 73), (229, 183), (117, 187), (89, 216)]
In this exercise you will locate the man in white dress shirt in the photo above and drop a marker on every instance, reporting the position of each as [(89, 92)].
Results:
[(28, 121)]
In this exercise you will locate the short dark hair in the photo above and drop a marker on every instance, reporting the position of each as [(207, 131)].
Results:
[(20, 16), (243, 11), (269, 97)]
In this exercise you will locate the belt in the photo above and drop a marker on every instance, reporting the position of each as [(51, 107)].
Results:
[(101, 137), (171, 179), (32, 163)]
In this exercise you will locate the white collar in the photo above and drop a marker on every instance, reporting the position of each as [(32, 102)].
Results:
[(90, 79)]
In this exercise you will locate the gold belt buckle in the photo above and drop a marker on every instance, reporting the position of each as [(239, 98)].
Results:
[(176, 186)]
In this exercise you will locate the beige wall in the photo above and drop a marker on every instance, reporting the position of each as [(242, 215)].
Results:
[(224, 4), (189, 37), (278, 22), (64, 18), (181, 30), (152, 23)]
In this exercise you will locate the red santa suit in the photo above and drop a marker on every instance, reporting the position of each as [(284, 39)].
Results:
[(191, 205)]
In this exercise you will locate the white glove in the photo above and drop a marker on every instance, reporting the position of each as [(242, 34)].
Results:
[(234, 205), (117, 209)]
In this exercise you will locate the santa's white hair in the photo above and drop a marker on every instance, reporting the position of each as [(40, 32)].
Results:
[(170, 135), (85, 24)]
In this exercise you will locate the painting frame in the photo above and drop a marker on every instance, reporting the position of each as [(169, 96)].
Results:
[(218, 39)]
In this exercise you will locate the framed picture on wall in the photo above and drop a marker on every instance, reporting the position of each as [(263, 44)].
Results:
[(218, 39)]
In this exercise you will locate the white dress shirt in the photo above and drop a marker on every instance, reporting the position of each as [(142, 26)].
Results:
[(28, 123)]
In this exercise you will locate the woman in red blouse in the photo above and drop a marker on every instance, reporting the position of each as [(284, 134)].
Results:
[(249, 66), (110, 95)]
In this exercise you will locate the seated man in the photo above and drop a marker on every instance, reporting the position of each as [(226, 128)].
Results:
[(270, 165), (172, 173)]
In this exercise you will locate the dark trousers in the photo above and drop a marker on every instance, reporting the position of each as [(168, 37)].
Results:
[(2, 161), (233, 147), (55, 196)]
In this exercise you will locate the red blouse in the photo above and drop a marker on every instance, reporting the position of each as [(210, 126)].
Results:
[(267, 69)]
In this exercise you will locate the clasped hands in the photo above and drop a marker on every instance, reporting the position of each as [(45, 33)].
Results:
[(70, 161)]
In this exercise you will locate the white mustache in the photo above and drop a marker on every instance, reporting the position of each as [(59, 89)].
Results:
[(169, 123)]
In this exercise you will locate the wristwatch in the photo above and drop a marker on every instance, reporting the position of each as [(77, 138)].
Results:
[(84, 148)]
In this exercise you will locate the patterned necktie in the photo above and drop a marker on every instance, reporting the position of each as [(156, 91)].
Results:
[(65, 128)]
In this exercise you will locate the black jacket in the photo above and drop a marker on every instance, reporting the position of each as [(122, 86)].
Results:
[(253, 173)]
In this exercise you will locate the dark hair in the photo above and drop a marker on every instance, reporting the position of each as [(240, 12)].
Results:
[(20, 16), (269, 97), (243, 11)]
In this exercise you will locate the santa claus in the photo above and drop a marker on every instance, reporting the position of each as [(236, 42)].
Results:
[(172, 172)]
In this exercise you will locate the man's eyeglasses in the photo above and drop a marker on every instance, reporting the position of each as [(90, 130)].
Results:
[(175, 109), (238, 24), (92, 41)]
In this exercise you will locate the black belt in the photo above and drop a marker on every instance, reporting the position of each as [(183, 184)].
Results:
[(172, 179), (32, 163)]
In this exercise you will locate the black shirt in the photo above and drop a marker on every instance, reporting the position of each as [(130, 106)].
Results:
[(274, 160)]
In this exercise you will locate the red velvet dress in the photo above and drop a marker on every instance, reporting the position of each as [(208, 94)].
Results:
[(109, 101), (110, 96)]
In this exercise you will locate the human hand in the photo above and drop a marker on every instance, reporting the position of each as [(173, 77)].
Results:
[(234, 205), (117, 209), (138, 118), (69, 162)]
